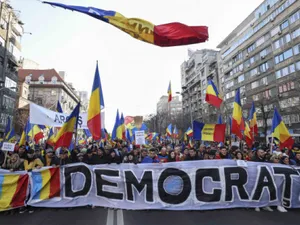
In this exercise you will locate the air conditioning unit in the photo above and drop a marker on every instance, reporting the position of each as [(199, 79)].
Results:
[(248, 66), (272, 19), (263, 56), (252, 24), (266, 84), (279, 32), (247, 55)]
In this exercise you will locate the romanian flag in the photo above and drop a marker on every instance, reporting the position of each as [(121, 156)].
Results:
[(64, 136), (13, 189), (212, 95), (280, 131), (209, 132), (253, 120), (121, 129), (51, 137), (11, 136), (169, 92), (189, 132), (7, 128), (237, 124), (58, 107), (220, 121), (175, 133), (35, 132), (95, 105), (117, 122), (46, 184), (248, 135), (169, 130), (170, 34)]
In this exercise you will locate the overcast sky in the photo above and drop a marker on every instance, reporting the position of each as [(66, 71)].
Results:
[(134, 74)]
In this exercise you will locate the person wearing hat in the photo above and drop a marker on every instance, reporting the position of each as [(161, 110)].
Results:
[(50, 158), (260, 155), (64, 157), (113, 157), (89, 157)]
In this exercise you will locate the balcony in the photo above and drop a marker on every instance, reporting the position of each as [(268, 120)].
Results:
[(12, 75)]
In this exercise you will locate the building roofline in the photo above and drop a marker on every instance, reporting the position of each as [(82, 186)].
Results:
[(239, 27)]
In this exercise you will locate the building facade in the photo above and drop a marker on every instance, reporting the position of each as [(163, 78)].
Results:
[(173, 108), (84, 100), (46, 87), (11, 31), (262, 58), (195, 72)]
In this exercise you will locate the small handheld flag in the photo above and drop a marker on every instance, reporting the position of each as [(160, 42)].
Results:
[(169, 92), (212, 95)]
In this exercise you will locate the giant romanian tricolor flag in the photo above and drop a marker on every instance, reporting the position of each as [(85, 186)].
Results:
[(253, 120), (64, 136), (94, 111), (237, 123), (13, 190), (169, 92), (170, 34), (212, 95), (280, 131), (46, 184), (209, 132)]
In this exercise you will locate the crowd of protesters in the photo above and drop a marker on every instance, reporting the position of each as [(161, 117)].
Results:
[(28, 157)]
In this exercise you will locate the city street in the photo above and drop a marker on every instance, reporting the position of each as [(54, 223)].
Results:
[(102, 216)]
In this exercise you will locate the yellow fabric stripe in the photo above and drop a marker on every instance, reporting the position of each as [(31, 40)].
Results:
[(9, 187), (281, 132), (208, 132), (237, 112), (67, 127), (94, 106), (45, 192)]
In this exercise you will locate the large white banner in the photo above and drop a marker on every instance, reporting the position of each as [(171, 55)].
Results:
[(42, 116), (193, 185)]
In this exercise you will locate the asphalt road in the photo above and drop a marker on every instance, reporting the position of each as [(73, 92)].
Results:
[(100, 216)]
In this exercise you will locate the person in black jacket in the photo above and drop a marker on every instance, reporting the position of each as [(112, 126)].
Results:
[(113, 157), (100, 158), (130, 158), (64, 158), (90, 157), (192, 155)]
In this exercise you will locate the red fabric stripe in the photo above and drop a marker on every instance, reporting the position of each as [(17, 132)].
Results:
[(175, 34), (94, 126), (287, 144), (170, 98), (254, 129), (219, 133), (38, 137), (236, 129), (213, 100), (64, 140), (249, 142), (19, 197), (54, 182)]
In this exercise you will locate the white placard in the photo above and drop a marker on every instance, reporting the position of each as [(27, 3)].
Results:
[(237, 144), (140, 137), (7, 146)]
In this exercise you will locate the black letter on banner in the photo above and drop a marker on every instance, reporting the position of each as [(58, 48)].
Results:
[(146, 180), (101, 182), (176, 198), (200, 194), (238, 183), (265, 181), (68, 182), (287, 185)]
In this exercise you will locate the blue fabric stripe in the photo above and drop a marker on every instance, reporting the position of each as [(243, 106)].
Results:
[(197, 128), (1, 182), (37, 184)]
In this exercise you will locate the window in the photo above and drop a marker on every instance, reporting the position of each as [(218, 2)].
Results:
[(298, 65), (10, 84), (238, 57), (284, 56), (253, 72), (282, 41), (41, 79), (260, 41), (296, 49), (255, 97), (284, 25), (244, 101), (251, 48), (229, 84), (263, 53), (254, 84), (203, 82), (54, 80), (264, 81), (230, 95), (296, 33), (290, 102), (295, 17), (222, 80), (286, 87), (285, 71), (9, 102), (242, 89), (241, 78), (275, 31), (264, 67)]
